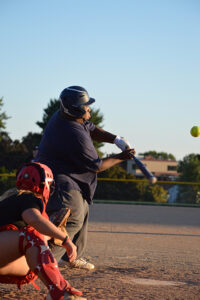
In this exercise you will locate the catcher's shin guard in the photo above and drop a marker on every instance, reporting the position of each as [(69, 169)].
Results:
[(47, 265)]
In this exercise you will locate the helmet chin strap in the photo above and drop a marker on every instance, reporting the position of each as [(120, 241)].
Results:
[(83, 114)]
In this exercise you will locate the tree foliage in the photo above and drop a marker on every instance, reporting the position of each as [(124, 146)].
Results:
[(116, 172), (13, 153), (3, 116), (189, 169), (31, 140), (159, 155), (6, 182), (51, 108), (132, 191), (152, 193), (97, 118)]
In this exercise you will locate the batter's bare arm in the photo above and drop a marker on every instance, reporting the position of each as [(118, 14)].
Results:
[(113, 160), (101, 135)]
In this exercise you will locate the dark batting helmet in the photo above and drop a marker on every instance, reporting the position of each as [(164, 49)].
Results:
[(35, 177), (72, 100)]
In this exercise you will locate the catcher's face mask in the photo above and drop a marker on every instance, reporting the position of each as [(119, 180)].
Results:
[(52, 187)]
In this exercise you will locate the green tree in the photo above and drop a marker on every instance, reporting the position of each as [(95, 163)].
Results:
[(159, 155), (51, 108), (97, 118), (13, 153), (31, 140), (3, 116), (5, 140), (112, 190), (6, 182), (189, 169), (132, 191), (116, 172), (151, 193)]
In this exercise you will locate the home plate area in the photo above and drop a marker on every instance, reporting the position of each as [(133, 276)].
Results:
[(145, 281)]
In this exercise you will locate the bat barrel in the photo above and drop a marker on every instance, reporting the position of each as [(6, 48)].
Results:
[(152, 179)]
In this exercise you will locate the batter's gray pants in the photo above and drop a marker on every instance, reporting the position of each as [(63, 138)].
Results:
[(77, 224)]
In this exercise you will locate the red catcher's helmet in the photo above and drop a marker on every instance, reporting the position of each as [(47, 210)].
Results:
[(35, 177)]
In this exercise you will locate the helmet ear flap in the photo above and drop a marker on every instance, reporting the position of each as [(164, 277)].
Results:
[(77, 111), (72, 110)]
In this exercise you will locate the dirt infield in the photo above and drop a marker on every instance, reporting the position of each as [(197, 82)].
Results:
[(140, 252)]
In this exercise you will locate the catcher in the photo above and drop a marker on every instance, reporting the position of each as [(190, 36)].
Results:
[(24, 231)]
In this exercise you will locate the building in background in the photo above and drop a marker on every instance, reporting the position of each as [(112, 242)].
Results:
[(162, 169)]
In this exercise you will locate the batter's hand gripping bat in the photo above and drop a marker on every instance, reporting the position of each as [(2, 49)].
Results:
[(152, 179)]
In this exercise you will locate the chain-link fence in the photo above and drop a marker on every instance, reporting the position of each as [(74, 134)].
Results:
[(134, 190), (138, 190)]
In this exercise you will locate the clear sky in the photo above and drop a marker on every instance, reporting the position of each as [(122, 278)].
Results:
[(140, 60)]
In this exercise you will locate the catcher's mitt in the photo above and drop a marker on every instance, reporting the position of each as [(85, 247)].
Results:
[(59, 218)]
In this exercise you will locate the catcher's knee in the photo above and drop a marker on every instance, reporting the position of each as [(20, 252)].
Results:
[(46, 263)]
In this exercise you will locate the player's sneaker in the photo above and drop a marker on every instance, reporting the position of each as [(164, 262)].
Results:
[(80, 263)]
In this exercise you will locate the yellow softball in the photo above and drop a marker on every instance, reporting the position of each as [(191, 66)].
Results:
[(195, 131)]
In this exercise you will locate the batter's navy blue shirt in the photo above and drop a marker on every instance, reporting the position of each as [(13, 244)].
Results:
[(67, 148)]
